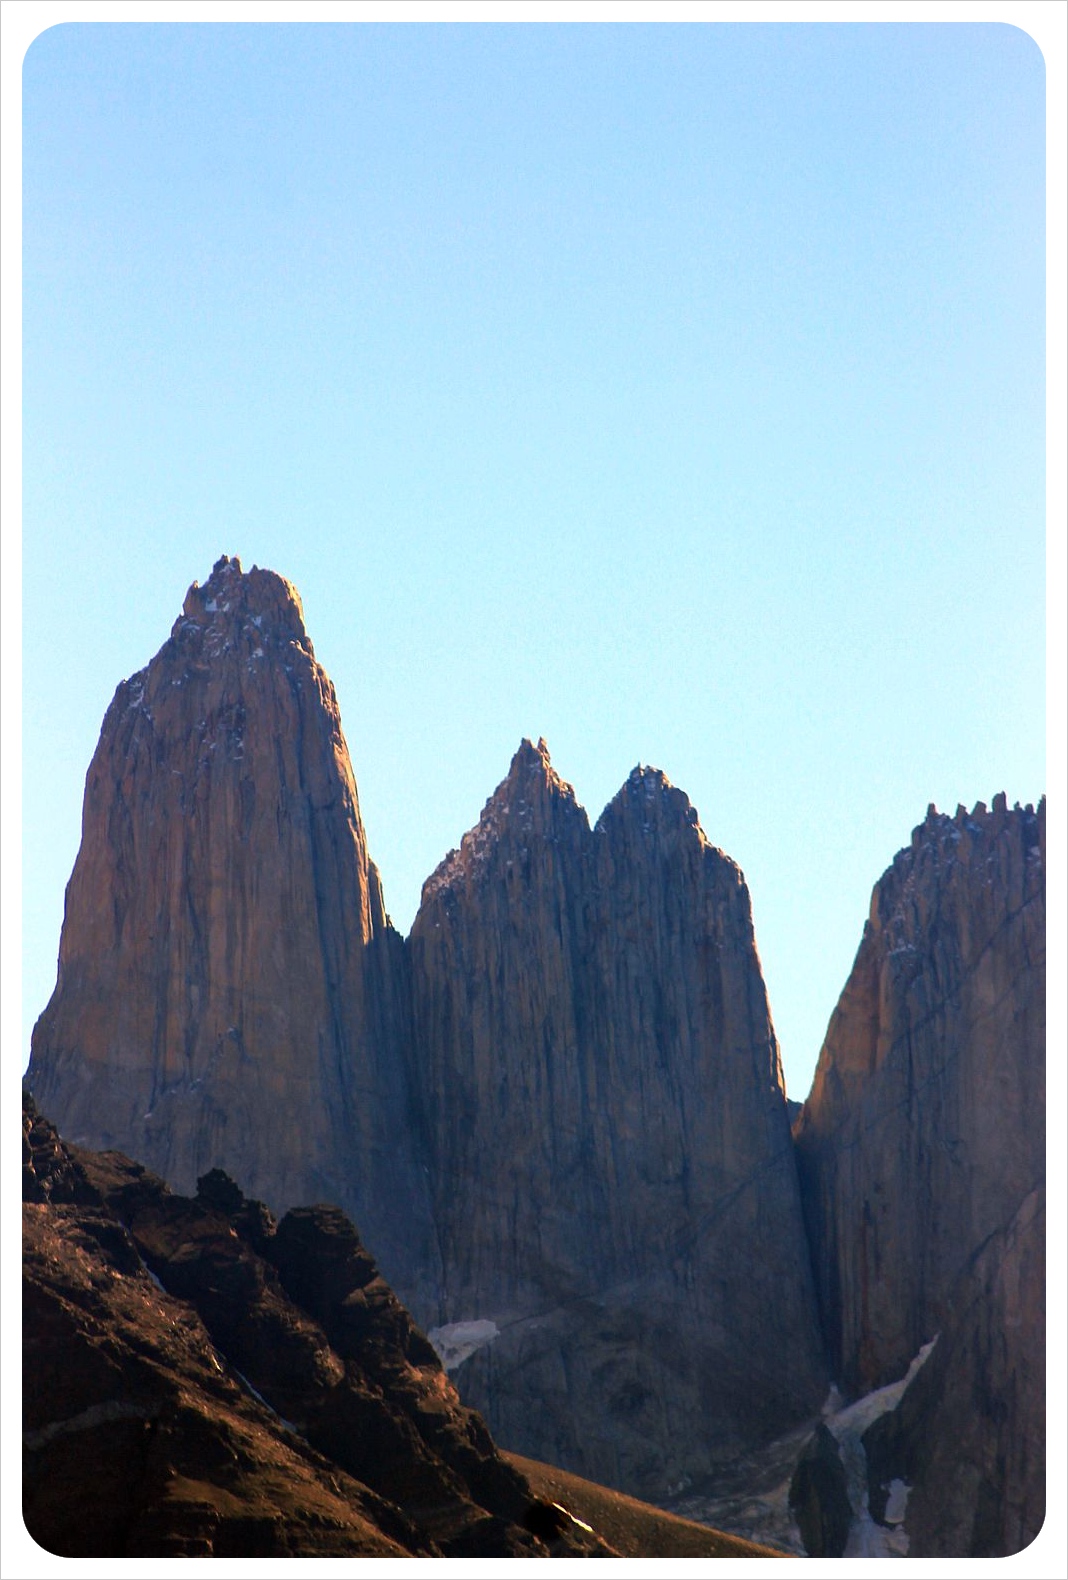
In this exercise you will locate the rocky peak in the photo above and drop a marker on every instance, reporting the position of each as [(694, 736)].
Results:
[(531, 779), (228, 979), (259, 599), (531, 803), (649, 801), (589, 1009)]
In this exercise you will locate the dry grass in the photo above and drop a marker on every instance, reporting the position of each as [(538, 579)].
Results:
[(634, 1529)]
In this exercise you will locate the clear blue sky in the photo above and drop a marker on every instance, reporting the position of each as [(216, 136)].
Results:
[(673, 392)]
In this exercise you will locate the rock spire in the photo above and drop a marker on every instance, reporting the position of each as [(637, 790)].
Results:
[(615, 1191), (230, 991), (922, 1158)]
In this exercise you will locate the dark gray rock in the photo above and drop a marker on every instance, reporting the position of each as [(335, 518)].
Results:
[(819, 1499), (614, 1187), (922, 1157)]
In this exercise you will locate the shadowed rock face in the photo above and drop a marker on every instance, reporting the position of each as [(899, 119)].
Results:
[(968, 1439), (614, 1185), (922, 1157), (230, 991), (201, 1382)]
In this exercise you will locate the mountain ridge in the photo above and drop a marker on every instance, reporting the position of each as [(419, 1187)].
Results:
[(556, 1109)]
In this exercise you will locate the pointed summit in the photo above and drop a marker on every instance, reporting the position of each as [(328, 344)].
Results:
[(608, 1132), (648, 794), (532, 803), (530, 759), (225, 983)]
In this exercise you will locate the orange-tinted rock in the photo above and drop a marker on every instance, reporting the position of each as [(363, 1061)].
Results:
[(614, 1189), (230, 991)]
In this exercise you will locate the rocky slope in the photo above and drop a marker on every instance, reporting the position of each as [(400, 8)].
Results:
[(230, 992), (201, 1381), (922, 1157), (614, 1187)]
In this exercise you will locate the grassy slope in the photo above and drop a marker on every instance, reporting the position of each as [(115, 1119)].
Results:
[(634, 1529)]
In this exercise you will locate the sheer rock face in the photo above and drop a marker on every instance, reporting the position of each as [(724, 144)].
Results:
[(925, 1128), (968, 1439), (230, 991), (604, 1108)]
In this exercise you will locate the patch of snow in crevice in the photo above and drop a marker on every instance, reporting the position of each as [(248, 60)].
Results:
[(574, 1518), (243, 1380), (456, 1341), (858, 1416), (896, 1501), (867, 1537), (162, 1289)]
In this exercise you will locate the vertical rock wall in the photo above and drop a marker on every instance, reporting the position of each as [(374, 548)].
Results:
[(922, 1158), (614, 1185), (925, 1127), (557, 1113), (230, 991)]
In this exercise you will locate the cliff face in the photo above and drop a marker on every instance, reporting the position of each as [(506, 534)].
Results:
[(922, 1158), (230, 991), (557, 1113), (968, 1440), (614, 1188), (925, 1127)]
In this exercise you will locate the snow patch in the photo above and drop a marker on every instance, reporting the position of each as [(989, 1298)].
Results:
[(858, 1416), (243, 1380), (162, 1289), (456, 1341), (897, 1501), (867, 1538)]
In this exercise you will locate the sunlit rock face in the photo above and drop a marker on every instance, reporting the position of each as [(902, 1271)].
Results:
[(614, 1188), (230, 991), (922, 1156)]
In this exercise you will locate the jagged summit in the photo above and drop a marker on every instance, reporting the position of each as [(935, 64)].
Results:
[(943, 999), (226, 973), (922, 1157), (600, 1077), (531, 766), (258, 597), (939, 830), (648, 806), (649, 793), (534, 802), (528, 803)]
